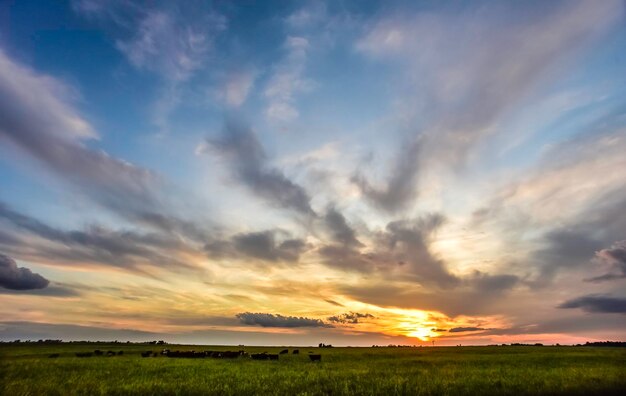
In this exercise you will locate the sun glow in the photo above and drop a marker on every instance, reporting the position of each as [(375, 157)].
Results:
[(421, 333)]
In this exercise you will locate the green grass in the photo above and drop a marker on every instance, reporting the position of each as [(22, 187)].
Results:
[(27, 370)]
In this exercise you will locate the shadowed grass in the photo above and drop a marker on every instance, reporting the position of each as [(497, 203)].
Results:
[(27, 370)]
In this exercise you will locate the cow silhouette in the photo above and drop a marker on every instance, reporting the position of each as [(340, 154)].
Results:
[(315, 357)]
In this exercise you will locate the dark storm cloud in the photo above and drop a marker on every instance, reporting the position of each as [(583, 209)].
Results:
[(465, 329), (124, 249), (402, 245), (486, 283), (350, 317), (566, 248), (401, 186), (341, 232), (19, 278), (407, 243), (250, 165), (263, 245), (616, 257), (576, 244), (271, 320), (597, 303)]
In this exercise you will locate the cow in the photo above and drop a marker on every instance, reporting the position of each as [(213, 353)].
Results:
[(315, 357), (146, 354), (272, 356), (110, 353), (284, 352), (97, 352), (84, 354), (259, 356), (120, 353), (296, 352), (54, 355)]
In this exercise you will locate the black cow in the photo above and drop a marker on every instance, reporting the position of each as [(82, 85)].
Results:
[(84, 354), (296, 352), (120, 353), (284, 352), (110, 353), (259, 356), (272, 356), (315, 357), (146, 354), (97, 352), (230, 354), (54, 355)]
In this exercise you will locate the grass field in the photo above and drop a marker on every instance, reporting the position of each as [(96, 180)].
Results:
[(27, 370)]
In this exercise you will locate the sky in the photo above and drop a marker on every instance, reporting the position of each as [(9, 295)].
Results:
[(297, 172)]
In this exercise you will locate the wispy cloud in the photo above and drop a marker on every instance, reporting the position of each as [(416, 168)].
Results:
[(287, 81), (250, 165), (174, 42), (236, 87), (491, 64)]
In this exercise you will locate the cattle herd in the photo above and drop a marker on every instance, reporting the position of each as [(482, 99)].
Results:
[(200, 354)]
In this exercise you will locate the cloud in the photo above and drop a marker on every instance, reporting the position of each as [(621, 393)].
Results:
[(50, 291), (69, 332), (616, 257), (94, 245), (19, 278), (271, 320), (486, 283), (400, 190), (287, 80), (465, 329), (407, 243), (40, 122), (341, 232), (495, 58), (262, 245), (596, 303), (240, 147), (350, 317), (236, 87), (567, 248), (173, 42), (401, 249), (309, 15)]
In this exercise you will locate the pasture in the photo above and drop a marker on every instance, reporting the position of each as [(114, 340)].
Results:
[(27, 369)]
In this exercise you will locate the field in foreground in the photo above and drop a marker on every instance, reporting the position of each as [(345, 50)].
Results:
[(27, 370)]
